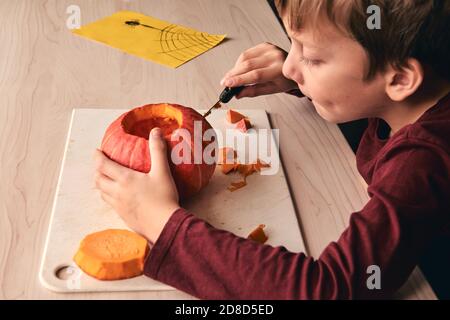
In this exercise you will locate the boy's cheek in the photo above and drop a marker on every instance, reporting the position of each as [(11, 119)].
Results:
[(330, 102), (334, 94), (340, 94)]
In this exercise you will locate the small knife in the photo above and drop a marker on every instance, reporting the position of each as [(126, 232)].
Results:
[(226, 95)]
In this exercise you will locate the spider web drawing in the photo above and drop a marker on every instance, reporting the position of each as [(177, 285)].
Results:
[(179, 44)]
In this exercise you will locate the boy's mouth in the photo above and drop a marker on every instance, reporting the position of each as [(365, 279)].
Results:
[(306, 96)]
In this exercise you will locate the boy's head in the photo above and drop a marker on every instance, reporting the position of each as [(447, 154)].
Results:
[(351, 71)]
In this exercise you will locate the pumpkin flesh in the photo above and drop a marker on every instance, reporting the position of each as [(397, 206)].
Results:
[(112, 254)]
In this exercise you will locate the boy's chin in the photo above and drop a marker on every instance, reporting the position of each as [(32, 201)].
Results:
[(330, 116), (326, 114)]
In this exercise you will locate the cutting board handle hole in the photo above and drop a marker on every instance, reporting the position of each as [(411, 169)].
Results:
[(66, 272)]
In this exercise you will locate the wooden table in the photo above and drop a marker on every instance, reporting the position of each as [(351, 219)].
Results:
[(45, 71)]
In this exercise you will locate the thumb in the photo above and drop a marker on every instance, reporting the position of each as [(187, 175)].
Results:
[(158, 152)]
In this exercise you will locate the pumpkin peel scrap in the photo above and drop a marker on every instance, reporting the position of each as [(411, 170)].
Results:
[(234, 116), (258, 234), (229, 163), (237, 185), (243, 125)]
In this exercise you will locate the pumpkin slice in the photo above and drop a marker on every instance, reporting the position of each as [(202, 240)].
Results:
[(258, 234), (243, 125), (112, 254), (234, 116)]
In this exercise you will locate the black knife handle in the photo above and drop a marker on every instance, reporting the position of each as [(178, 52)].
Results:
[(229, 93)]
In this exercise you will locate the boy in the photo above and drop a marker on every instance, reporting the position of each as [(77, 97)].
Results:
[(398, 77)]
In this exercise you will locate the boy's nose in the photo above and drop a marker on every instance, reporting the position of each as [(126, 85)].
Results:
[(292, 72)]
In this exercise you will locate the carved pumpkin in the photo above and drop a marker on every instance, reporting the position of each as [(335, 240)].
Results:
[(126, 142)]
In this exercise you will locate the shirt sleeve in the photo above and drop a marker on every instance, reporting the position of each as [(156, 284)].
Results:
[(409, 203)]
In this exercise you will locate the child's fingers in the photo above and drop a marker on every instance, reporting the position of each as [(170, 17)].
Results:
[(253, 52), (105, 184), (262, 60), (158, 153), (260, 56), (252, 77), (108, 167), (246, 66), (108, 199)]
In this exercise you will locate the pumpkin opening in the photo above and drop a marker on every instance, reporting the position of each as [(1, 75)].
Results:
[(140, 121)]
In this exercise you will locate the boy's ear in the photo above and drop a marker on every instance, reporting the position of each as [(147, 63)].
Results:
[(403, 82)]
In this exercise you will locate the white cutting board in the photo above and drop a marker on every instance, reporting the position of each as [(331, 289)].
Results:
[(78, 209)]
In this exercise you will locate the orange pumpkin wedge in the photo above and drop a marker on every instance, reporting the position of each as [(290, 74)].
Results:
[(112, 254), (258, 234), (234, 116), (243, 125)]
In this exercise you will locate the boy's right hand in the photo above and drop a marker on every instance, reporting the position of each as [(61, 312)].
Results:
[(261, 67)]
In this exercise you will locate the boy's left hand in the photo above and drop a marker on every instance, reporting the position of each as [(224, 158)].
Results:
[(145, 201)]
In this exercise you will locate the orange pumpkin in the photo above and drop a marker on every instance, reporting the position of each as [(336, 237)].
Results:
[(126, 142)]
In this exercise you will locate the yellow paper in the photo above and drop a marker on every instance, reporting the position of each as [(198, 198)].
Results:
[(156, 40)]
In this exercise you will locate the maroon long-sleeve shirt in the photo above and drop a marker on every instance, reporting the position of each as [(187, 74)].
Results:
[(409, 186)]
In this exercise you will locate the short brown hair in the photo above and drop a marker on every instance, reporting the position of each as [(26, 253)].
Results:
[(409, 28)]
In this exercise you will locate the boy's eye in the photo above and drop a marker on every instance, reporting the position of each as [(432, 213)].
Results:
[(309, 62)]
